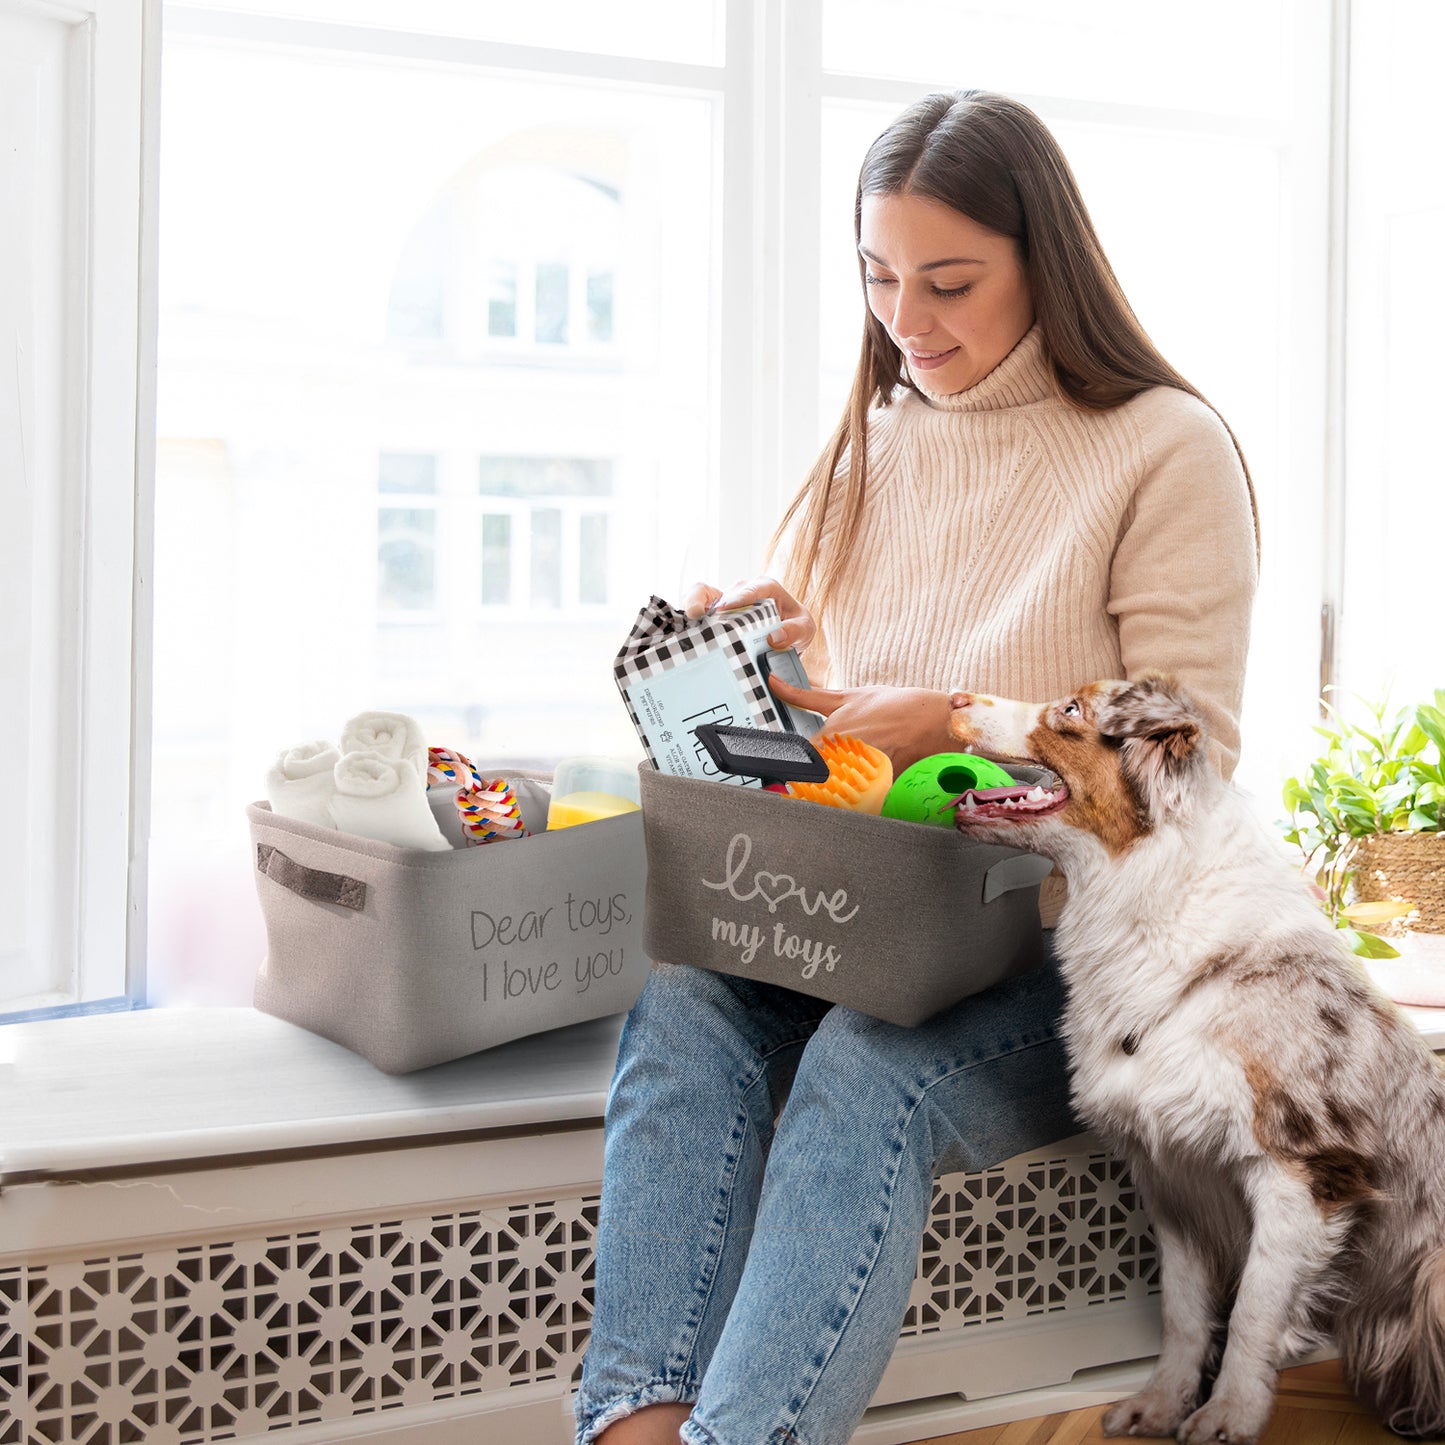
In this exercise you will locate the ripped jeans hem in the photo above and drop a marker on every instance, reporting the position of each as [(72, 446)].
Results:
[(655, 1392)]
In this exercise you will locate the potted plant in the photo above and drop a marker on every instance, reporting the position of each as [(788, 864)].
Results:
[(1367, 814)]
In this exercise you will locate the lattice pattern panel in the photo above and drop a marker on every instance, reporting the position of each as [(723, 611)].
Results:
[(1031, 1238), (241, 1337), (238, 1338)]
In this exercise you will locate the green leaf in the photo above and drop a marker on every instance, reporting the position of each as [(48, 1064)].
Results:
[(1369, 945), (1432, 722), (1396, 796), (1414, 742), (1422, 822)]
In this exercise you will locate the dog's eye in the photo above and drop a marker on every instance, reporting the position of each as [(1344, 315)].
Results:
[(1071, 709)]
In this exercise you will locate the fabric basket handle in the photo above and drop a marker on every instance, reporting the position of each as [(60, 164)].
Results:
[(310, 882), (1023, 870)]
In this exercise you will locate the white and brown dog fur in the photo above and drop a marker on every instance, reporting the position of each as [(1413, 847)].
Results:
[(1284, 1124)]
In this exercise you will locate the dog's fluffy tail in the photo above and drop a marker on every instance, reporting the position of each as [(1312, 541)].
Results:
[(1392, 1343)]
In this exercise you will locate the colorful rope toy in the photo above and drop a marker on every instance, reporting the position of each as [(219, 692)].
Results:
[(488, 809)]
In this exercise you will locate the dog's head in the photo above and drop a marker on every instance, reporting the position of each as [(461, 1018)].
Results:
[(1127, 752)]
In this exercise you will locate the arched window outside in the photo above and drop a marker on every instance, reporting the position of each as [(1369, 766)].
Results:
[(520, 255)]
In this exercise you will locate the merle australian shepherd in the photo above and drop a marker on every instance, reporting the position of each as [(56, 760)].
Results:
[(1284, 1124)]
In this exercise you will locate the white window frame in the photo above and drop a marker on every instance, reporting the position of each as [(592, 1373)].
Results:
[(765, 424), (91, 647)]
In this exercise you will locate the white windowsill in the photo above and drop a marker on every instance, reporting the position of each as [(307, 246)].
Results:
[(163, 1086)]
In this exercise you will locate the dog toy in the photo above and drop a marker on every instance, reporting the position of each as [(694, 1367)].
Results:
[(859, 775), (444, 766), (488, 809), (925, 793), (490, 812)]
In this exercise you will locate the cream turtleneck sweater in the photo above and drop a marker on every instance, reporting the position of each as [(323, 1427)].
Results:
[(1015, 544)]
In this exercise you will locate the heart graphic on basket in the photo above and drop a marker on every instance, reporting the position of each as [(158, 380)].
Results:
[(776, 888)]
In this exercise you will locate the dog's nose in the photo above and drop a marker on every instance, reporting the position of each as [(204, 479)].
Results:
[(960, 699)]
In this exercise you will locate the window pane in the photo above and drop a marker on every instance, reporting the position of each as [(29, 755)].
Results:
[(496, 560), (406, 559), (599, 306), (1391, 633), (545, 477), (502, 303), (546, 557), (416, 308), (592, 562), (283, 240), (1227, 58), (552, 286), (405, 472)]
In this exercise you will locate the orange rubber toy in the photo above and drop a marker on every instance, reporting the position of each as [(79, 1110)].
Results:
[(859, 775)]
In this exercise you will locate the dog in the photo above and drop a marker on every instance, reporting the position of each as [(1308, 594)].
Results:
[(1284, 1124)]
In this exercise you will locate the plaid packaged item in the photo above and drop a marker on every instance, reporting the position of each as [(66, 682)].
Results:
[(675, 672)]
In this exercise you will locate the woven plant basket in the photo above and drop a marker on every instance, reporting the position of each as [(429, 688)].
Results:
[(1404, 868)]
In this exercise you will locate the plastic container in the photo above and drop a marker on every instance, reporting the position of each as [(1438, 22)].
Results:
[(586, 789)]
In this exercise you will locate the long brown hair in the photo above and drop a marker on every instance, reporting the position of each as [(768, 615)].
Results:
[(994, 161)]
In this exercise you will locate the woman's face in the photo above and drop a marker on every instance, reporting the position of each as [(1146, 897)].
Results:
[(952, 294)]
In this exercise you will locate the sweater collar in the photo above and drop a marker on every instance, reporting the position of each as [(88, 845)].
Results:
[(1025, 375)]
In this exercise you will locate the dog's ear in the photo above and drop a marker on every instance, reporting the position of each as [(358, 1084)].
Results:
[(1161, 737)]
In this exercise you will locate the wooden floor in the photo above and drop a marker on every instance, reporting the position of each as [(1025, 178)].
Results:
[(1313, 1408)]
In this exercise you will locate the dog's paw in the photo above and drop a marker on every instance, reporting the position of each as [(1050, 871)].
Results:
[(1155, 1414), (1225, 1422)]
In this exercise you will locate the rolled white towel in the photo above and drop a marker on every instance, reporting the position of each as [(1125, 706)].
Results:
[(389, 734), (385, 798), (301, 783)]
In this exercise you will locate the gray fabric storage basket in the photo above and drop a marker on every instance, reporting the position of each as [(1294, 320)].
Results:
[(895, 919), (411, 958)]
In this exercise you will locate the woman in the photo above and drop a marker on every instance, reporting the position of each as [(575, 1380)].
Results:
[(1022, 496)]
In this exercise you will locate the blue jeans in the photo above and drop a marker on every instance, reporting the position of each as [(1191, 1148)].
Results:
[(767, 1178)]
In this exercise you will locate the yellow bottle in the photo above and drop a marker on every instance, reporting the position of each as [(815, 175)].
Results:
[(586, 807)]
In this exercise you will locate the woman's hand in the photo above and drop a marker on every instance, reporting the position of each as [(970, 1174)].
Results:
[(907, 723), (796, 628)]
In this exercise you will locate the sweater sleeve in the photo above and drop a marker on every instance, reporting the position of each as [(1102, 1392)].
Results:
[(1184, 571)]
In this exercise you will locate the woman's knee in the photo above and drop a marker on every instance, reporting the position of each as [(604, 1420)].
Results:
[(958, 1100)]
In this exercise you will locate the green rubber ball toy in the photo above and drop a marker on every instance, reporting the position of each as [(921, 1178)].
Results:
[(921, 794)]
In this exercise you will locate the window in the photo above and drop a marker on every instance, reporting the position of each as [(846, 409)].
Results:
[(1385, 570), (514, 253), (542, 540), (412, 320), (74, 462), (491, 321)]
